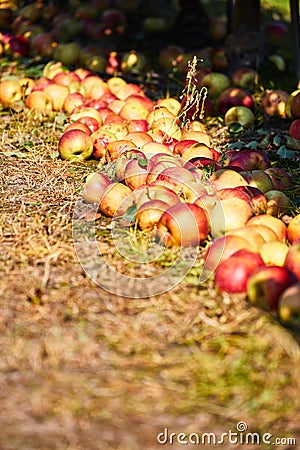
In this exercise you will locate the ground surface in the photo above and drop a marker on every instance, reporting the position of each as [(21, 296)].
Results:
[(83, 369)]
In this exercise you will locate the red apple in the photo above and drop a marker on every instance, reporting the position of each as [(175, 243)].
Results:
[(95, 185), (39, 101), (245, 78), (221, 249), (292, 107), (75, 145), (72, 100), (273, 253), (184, 224), (232, 275), (293, 229), (255, 239), (289, 306), (276, 32), (78, 126), (100, 139), (267, 284), (248, 159), (143, 194), (234, 96), (294, 129), (292, 260)]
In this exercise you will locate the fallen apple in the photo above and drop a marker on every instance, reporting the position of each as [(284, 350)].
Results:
[(241, 114), (273, 253), (289, 306), (232, 275), (281, 179), (95, 185), (292, 260), (259, 179), (248, 160), (274, 223), (294, 129), (274, 102), (234, 96), (267, 284), (116, 199), (184, 224), (227, 178), (10, 92), (278, 203), (149, 213), (293, 229), (75, 145)]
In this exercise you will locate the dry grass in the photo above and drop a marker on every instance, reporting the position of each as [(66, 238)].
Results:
[(83, 369)]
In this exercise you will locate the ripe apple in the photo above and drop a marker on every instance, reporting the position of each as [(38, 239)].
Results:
[(221, 249), (292, 260), (124, 158), (293, 229), (75, 145), (10, 92), (184, 224), (175, 175), (72, 100), (116, 199), (240, 114), (274, 102), (95, 185), (201, 137), (234, 96), (245, 78), (137, 125), (66, 78), (134, 109), (171, 103), (289, 306), (276, 32), (58, 94), (232, 275), (259, 179), (152, 147), (169, 127), (143, 194), (281, 179), (266, 232), (78, 126), (139, 138), (251, 235), (197, 150), (216, 82), (267, 284), (276, 224), (236, 212), (248, 159), (278, 202), (190, 191), (292, 107), (157, 166), (135, 173), (167, 56), (39, 101), (90, 122), (273, 253), (149, 214), (85, 111), (201, 162), (294, 129), (227, 178)]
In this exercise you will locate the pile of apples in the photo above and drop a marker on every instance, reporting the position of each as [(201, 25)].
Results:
[(175, 184)]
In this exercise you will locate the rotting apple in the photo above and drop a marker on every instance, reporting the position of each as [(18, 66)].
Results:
[(266, 285), (278, 203), (289, 306), (281, 179), (116, 199), (259, 179), (135, 173), (274, 102)]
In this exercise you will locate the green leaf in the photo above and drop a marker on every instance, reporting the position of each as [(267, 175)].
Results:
[(253, 145), (235, 145), (130, 213), (283, 152)]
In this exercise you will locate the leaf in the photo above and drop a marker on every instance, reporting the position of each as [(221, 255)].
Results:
[(253, 145), (235, 145), (19, 155), (293, 143), (235, 128), (130, 213), (283, 152)]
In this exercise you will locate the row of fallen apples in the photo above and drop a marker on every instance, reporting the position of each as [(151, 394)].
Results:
[(180, 188)]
